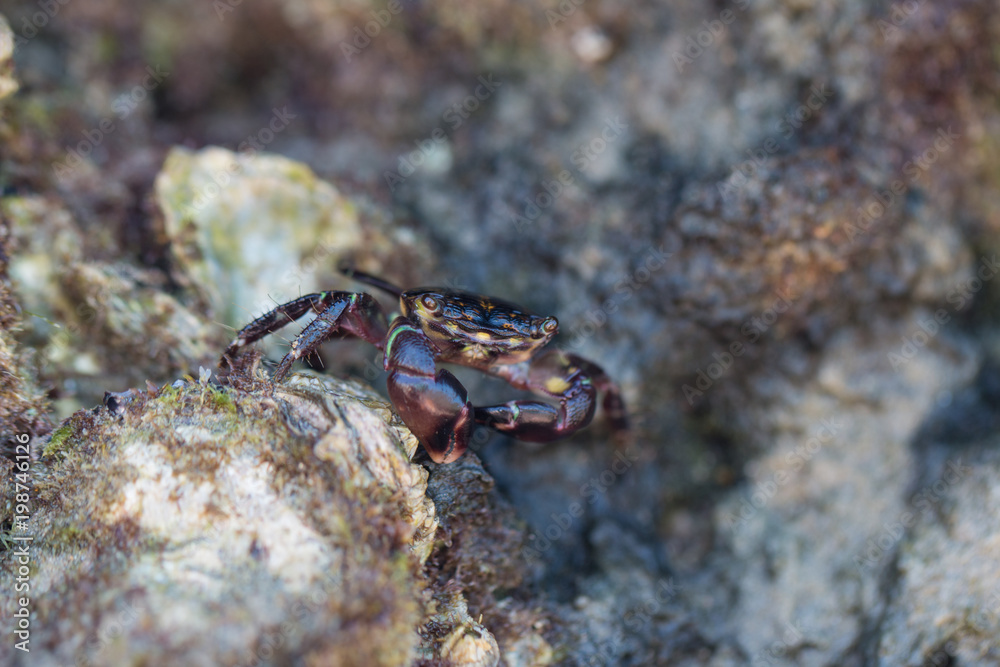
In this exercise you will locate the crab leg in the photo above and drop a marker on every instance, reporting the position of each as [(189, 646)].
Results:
[(356, 314), (567, 377)]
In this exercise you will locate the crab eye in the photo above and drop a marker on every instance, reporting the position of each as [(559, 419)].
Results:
[(430, 303), (546, 327)]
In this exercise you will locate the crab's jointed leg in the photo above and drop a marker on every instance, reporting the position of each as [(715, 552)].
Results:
[(356, 314)]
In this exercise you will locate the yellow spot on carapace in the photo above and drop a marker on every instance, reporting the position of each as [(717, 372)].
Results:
[(482, 335), (556, 385)]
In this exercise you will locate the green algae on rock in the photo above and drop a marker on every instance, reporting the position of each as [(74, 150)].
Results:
[(250, 227), (280, 522)]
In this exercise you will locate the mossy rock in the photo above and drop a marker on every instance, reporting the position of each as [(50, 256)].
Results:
[(218, 524)]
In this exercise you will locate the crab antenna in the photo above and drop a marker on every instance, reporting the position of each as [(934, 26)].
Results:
[(369, 279)]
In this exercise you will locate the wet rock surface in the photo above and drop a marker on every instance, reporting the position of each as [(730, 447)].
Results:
[(774, 224), (215, 525)]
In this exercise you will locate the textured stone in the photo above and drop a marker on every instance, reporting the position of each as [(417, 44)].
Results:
[(252, 229), (205, 524)]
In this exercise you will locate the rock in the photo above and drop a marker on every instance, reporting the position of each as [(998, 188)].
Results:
[(97, 325), (102, 325), (250, 229), (207, 525), (24, 408), (833, 463), (817, 184), (945, 604), (8, 85), (481, 548)]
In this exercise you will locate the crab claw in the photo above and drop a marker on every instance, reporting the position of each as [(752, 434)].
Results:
[(436, 409)]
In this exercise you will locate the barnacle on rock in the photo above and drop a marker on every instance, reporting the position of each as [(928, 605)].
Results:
[(471, 645)]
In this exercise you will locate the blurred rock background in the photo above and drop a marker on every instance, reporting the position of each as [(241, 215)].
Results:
[(775, 224)]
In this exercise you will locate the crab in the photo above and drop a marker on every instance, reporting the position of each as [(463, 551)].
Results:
[(443, 325)]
